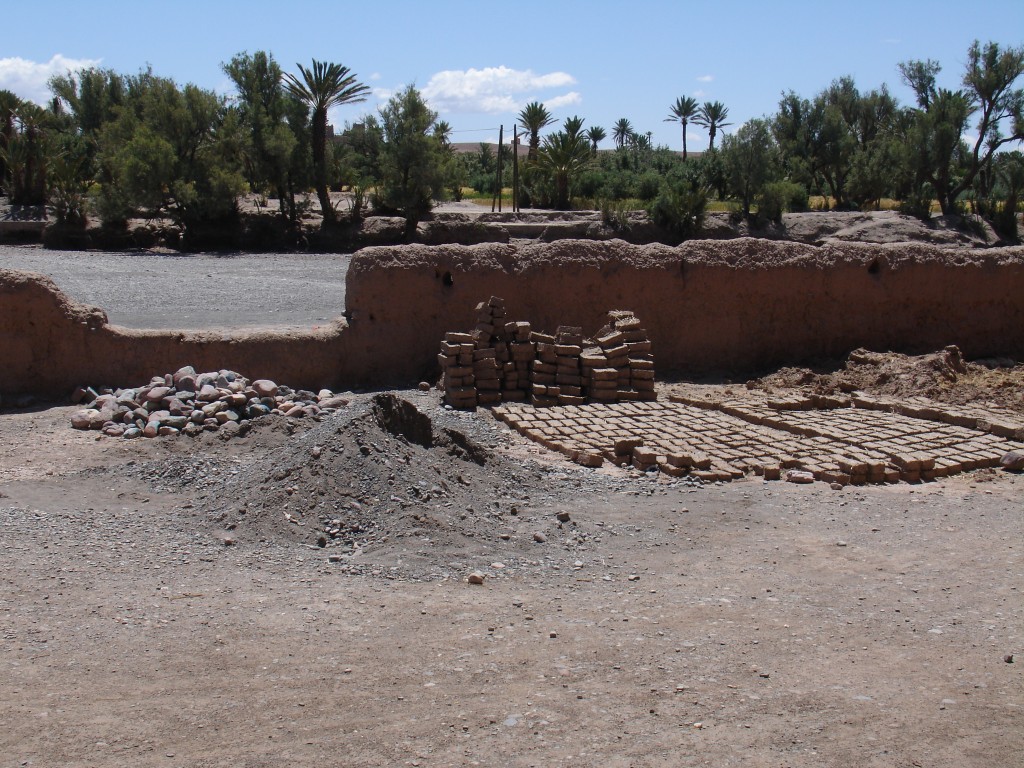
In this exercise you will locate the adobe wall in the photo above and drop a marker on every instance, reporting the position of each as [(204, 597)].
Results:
[(736, 305), (49, 344)]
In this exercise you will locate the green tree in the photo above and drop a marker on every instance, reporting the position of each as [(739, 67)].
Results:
[(562, 157), (712, 115), (443, 133), (751, 160), (596, 135), (324, 86), (989, 91), (411, 159), (9, 104), (533, 118), (621, 132), (269, 139), (683, 111), (26, 154), (573, 126)]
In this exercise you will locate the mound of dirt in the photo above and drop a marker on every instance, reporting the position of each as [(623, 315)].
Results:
[(943, 376), (399, 483)]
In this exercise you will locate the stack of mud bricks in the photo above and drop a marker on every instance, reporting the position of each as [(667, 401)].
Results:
[(456, 358), (621, 366), (503, 361), (555, 370)]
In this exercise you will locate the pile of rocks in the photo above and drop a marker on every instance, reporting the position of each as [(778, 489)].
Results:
[(186, 402), (501, 361)]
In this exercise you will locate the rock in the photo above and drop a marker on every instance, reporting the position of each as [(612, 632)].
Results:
[(562, 517), (476, 577), (799, 476), (1008, 658), (265, 388), (1013, 461), (424, 386), (334, 402), (156, 394), (152, 429), (78, 396), (89, 418), (539, 537), (836, 486)]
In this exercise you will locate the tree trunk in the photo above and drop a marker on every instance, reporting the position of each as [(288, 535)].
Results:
[(320, 164)]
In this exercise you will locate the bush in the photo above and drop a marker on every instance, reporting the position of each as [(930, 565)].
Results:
[(679, 208), (780, 196), (919, 203)]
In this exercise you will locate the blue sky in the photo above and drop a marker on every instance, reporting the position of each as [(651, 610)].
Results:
[(478, 63)]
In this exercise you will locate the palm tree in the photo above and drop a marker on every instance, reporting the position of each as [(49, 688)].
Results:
[(533, 118), (620, 133), (443, 133), (573, 126), (9, 104), (684, 110), (563, 156), (326, 85), (712, 116), (596, 134)]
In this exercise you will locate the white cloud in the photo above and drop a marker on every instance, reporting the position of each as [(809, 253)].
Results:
[(705, 78), (375, 76), (563, 101), (494, 89), (699, 93), (27, 79)]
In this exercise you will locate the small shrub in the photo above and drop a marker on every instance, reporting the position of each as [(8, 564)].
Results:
[(679, 208), (919, 203)]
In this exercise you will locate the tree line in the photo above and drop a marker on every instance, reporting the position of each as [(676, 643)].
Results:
[(110, 145)]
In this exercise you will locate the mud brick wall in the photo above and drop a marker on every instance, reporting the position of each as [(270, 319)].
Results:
[(733, 306), (708, 306)]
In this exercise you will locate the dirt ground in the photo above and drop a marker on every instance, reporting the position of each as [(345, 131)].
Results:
[(168, 602)]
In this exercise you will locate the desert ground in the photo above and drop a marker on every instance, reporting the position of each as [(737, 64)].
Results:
[(299, 595)]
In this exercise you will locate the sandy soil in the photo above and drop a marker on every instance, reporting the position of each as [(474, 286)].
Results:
[(166, 602)]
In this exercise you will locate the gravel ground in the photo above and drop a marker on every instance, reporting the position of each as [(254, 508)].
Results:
[(195, 291)]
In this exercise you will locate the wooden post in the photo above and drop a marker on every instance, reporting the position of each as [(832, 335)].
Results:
[(515, 168)]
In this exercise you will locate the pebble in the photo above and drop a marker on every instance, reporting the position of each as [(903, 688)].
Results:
[(539, 537), (476, 577)]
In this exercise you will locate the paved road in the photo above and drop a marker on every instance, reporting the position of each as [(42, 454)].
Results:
[(147, 290)]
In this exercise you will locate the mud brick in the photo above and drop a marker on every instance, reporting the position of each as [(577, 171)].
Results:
[(568, 389), (910, 476), (488, 398), (567, 365), (621, 351), (447, 348), (460, 370), (568, 350), (673, 471), (771, 472), (604, 374), (834, 476), (483, 354), (637, 334), (541, 338), (488, 384), (603, 395), (487, 328), (591, 459), (610, 340), (542, 378), (851, 467), (926, 463), (564, 399), (679, 459), (624, 379), (637, 347), (568, 332), (907, 462), (509, 368), (572, 379), (481, 369), (542, 347), (539, 389), (513, 395), (543, 402), (641, 375), (521, 350), (627, 322), (627, 395), (626, 445), (539, 366), (496, 301), (641, 364), (461, 393), (453, 337), (446, 361)]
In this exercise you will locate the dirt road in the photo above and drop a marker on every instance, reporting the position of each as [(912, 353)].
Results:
[(146, 289)]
